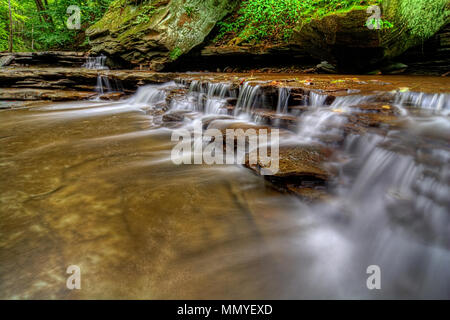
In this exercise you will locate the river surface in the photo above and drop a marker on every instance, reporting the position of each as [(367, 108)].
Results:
[(91, 184)]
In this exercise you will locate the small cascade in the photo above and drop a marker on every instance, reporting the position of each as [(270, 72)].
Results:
[(96, 63), (215, 98), (316, 99), (218, 89), (395, 175), (343, 103), (249, 96), (195, 86), (104, 84), (209, 98), (150, 95), (439, 102), (283, 99)]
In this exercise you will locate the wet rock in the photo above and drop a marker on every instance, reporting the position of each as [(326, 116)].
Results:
[(308, 194), (114, 96), (76, 78), (326, 67), (175, 116), (297, 161), (206, 121), (224, 125), (394, 68), (301, 170), (42, 94), (270, 117), (153, 112)]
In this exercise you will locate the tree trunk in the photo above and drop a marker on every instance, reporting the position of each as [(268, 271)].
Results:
[(10, 28), (40, 7)]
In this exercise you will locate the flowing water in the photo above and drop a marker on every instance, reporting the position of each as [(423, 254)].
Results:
[(104, 84), (92, 184)]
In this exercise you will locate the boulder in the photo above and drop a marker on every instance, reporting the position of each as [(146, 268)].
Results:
[(155, 33), (6, 60), (302, 160), (302, 170)]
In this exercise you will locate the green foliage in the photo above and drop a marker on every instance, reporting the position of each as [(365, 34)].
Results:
[(145, 13), (421, 18), (274, 20), (47, 29), (175, 53), (189, 11), (380, 24)]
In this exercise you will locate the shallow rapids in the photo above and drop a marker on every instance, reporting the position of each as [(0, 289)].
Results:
[(92, 184)]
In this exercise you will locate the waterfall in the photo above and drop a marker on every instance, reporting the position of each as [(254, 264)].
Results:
[(104, 84), (95, 63), (283, 99), (439, 102), (150, 95), (316, 99), (248, 97), (215, 98), (209, 98), (408, 185)]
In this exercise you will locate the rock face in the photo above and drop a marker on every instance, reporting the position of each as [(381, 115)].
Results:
[(345, 40), (341, 39), (431, 58), (156, 32)]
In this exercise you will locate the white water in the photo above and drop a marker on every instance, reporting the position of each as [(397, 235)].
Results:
[(249, 97), (283, 99), (95, 63), (388, 204)]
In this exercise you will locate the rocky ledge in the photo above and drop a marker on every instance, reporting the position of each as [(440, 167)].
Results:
[(43, 59)]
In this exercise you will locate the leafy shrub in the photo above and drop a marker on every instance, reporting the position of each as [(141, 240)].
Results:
[(274, 20)]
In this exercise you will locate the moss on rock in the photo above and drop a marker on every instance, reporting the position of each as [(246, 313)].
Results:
[(414, 22), (154, 30)]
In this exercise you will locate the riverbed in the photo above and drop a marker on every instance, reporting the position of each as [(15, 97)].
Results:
[(91, 183)]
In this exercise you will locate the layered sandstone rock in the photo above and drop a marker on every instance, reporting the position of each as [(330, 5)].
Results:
[(156, 32)]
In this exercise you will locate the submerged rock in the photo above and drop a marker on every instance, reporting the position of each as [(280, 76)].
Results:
[(175, 116)]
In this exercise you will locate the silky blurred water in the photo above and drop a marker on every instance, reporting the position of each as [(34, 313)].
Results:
[(92, 184)]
